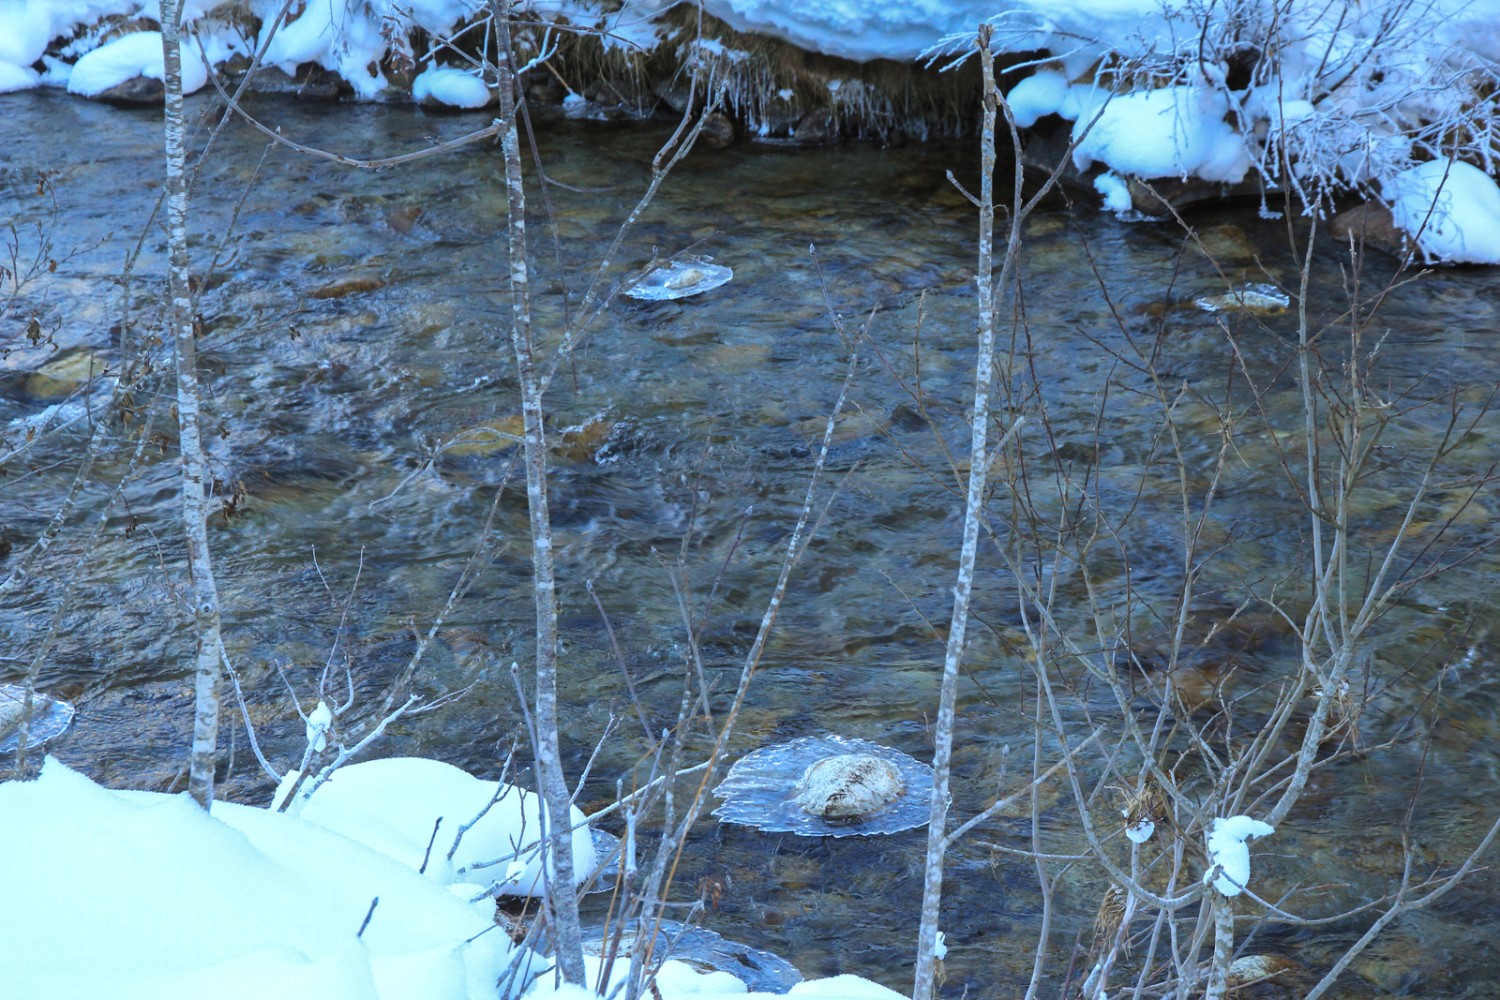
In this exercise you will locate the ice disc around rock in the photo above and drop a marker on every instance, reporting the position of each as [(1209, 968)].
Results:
[(1254, 298), (827, 786), (50, 717), (679, 279), (607, 860), (760, 971)]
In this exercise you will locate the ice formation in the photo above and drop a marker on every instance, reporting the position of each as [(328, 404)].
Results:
[(790, 787)]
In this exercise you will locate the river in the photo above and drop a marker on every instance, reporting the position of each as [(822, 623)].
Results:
[(362, 386)]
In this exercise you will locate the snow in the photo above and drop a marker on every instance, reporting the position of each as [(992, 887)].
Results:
[(143, 896), (1043, 93), (844, 987), (332, 33), (855, 29), (1140, 831), (1451, 209), (17, 78), (1170, 132), (392, 806), (1228, 851), (130, 56), (318, 724), (454, 87), (26, 26), (1115, 192)]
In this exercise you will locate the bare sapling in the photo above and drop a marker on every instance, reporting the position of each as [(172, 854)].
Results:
[(180, 332), (1170, 814)]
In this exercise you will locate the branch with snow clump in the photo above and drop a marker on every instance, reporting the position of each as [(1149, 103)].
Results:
[(1229, 855)]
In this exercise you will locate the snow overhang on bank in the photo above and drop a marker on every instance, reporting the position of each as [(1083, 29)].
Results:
[(1319, 100)]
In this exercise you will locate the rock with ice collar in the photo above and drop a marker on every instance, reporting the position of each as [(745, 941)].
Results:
[(827, 786)]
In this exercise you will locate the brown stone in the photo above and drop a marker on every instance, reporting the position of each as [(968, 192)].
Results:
[(320, 85), (718, 132), (138, 91), (1370, 224), (815, 128)]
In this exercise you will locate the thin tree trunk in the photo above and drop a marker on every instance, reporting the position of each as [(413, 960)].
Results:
[(932, 887), (1218, 973), (562, 900), (205, 592)]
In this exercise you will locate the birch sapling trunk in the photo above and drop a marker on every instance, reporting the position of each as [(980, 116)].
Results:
[(562, 900), (932, 886), (179, 333)]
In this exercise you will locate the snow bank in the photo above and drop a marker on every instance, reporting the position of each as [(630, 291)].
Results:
[(1228, 851), (26, 26), (392, 806), (855, 29), (454, 87), (130, 56), (143, 896), (1450, 208)]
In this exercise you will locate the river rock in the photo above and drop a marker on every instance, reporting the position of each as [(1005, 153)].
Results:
[(815, 128), (850, 786), (827, 786), (1371, 225), (137, 92), (718, 132)]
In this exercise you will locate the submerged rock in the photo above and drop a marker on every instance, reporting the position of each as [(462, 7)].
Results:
[(827, 786)]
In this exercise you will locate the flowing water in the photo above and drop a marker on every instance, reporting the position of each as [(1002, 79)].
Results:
[(363, 412)]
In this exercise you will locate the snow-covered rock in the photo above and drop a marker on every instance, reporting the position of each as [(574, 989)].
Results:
[(131, 56), (1450, 208), (393, 805), (1170, 132)]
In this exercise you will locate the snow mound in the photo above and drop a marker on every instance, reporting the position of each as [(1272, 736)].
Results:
[(128, 57), (401, 805), (1045, 92), (1170, 132), (453, 87), (17, 78), (1451, 209), (143, 896)]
